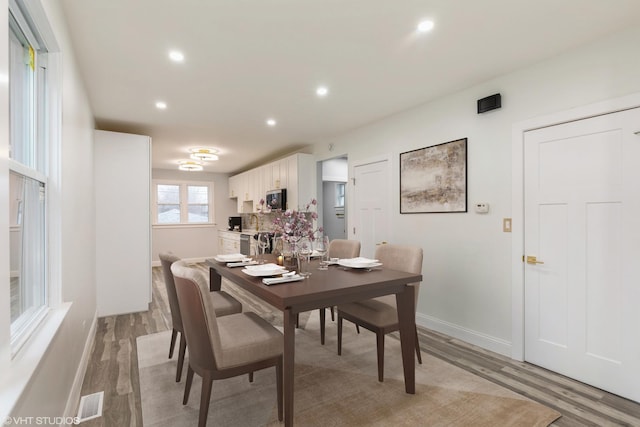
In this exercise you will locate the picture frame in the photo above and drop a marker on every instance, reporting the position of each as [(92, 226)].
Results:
[(434, 179)]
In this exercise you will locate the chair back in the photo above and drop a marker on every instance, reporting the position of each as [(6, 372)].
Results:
[(198, 316), (343, 248), (167, 259), (402, 258)]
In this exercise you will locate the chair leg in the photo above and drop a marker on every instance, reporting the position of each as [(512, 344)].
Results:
[(174, 334), (297, 320), (322, 319), (279, 387), (380, 342), (205, 396), (339, 334), (418, 348), (357, 328), (183, 348), (333, 319), (187, 385), (250, 377)]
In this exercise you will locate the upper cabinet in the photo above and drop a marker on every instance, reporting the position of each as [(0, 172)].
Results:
[(294, 173)]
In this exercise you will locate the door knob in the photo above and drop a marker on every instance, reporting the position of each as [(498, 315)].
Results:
[(531, 259)]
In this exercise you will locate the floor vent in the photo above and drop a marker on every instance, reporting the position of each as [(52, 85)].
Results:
[(90, 406)]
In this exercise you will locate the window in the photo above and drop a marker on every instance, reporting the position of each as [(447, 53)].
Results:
[(28, 172), (183, 203), (340, 195), (168, 204)]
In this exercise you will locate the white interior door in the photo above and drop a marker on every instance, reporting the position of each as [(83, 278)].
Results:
[(582, 223), (371, 206)]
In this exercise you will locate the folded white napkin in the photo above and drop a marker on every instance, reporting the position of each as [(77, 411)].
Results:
[(285, 279), (242, 263), (230, 257)]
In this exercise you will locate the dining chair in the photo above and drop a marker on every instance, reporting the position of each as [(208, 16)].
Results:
[(223, 302), (222, 347), (338, 248), (380, 315)]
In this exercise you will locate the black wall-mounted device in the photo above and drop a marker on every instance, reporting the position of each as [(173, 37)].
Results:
[(489, 103)]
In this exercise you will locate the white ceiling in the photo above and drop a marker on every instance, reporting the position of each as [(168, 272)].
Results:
[(249, 60)]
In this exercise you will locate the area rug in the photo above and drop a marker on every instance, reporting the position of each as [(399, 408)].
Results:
[(332, 390)]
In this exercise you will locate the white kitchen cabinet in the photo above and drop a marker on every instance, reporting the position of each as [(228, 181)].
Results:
[(122, 179), (228, 242), (300, 180), (234, 186), (275, 175), (294, 173)]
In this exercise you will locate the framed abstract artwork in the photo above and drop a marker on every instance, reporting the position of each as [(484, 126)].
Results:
[(434, 179)]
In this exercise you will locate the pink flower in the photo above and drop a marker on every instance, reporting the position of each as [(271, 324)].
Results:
[(293, 225)]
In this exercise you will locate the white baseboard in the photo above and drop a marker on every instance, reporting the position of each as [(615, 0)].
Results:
[(70, 410), (470, 336)]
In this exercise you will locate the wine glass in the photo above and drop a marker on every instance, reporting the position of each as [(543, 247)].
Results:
[(322, 247), (263, 243), (304, 250)]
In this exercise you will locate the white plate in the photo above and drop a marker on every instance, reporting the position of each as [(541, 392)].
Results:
[(230, 258), (269, 266), (264, 272), (359, 263)]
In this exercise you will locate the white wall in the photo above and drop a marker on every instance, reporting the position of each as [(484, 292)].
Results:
[(51, 384), (194, 242), (335, 169), (466, 290)]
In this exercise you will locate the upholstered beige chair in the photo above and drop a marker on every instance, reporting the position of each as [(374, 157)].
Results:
[(379, 315), (223, 303), (222, 347), (338, 248)]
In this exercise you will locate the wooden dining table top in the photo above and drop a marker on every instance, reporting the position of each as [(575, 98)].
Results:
[(323, 288)]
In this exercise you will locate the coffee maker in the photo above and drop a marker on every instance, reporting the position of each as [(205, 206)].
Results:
[(235, 223)]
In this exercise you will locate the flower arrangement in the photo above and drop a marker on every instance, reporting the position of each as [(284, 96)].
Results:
[(294, 224)]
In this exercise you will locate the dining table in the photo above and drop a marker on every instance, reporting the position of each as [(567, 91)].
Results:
[(326, 288)]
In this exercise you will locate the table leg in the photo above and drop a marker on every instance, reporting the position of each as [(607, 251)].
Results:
[(215, 281), (288, 364), (407, 320)]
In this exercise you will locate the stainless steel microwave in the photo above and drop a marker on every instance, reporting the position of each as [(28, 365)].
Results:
[(277, 199)]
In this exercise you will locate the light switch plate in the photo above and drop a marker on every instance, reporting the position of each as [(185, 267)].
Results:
[(506, 225)]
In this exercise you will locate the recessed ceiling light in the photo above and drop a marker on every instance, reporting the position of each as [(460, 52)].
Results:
[(322, 91), (190, 165), (271, 122), (176, 56), (425, 26), (161, 105), (204, 154)]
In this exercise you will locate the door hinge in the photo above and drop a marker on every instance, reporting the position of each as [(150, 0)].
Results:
[(353, 180), (354, 230)]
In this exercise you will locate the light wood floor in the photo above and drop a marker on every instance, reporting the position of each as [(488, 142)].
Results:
[(113, 368)]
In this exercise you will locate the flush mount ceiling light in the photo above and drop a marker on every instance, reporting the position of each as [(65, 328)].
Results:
[(190, 165), (176, 56), (425, 26), (322, 91), (271, 122), (161, 105), (203, 154)]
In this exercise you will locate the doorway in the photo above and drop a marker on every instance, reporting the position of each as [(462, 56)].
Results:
[(575, 301), (371, 195), (334, 176)]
